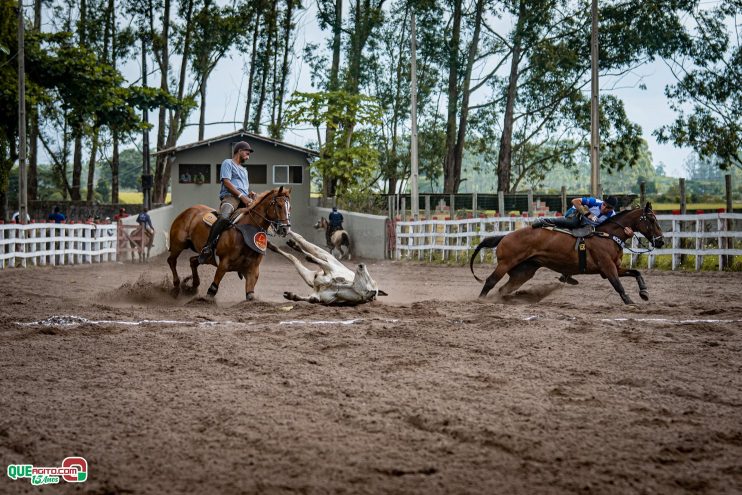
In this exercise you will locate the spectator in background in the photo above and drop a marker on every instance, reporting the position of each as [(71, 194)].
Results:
[(185, 178), (120, 215), (17, 216), (57, 216), (145, 221)]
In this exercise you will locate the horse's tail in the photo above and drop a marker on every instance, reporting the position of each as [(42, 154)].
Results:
[(488, 242), (346, 241)]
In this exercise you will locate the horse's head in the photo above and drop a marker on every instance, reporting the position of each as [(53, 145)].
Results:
[(321, 223), (648, 225), (278, 210)]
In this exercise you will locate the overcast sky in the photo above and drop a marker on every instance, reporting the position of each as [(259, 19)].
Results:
[(225, 100)]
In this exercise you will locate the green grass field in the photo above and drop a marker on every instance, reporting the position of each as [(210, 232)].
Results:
[(135, 197)]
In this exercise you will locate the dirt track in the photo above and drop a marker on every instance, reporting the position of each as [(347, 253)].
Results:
[(561, 390)]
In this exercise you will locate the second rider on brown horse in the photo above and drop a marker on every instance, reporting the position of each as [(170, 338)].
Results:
[(234, 193)]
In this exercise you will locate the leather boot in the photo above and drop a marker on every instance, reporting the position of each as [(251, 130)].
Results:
[(208, 250)]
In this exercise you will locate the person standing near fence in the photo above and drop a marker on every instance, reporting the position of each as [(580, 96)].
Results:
[(56, 216)]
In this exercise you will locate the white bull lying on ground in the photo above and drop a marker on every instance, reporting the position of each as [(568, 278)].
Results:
[(333, 283)]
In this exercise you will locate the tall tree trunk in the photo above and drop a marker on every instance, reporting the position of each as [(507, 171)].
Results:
[(114, 133), (91, 166), (449, 162), (285, 67), (466, 93), (163, 58), (253, 64), (505, 155), (178, 117), (33, 134), (265, 68), (202, 113), (76, 166), (333, 85)]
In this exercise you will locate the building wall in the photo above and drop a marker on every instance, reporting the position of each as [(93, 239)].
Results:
[(187, 195), (367, 232)]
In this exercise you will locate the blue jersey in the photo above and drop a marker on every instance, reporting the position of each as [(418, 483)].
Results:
[(57, 217), (236, 174), (144, 219), (336, 219), (594, 206)]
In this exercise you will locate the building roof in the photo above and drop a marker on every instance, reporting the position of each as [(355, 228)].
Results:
[(240, 133)]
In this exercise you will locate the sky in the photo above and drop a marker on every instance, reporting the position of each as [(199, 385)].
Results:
[(225, 99)]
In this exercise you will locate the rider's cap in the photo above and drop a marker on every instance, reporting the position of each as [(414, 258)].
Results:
[(612, 201), (242, 145), (334, 208)]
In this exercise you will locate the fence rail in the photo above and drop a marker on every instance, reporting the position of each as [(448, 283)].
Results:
[(56, 244), (708, 233)]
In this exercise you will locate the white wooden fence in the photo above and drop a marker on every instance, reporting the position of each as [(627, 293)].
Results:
[(449, 239), (56, 244)]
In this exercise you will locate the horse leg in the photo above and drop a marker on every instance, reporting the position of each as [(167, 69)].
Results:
[(519, 276), (194, 271), (251, 278), (643, 292), (611, 273), (172, 260), (495, 277)]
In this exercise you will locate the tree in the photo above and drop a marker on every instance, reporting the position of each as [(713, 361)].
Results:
[(708, 79)]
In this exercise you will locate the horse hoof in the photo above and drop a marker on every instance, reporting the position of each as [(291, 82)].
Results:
[(213, 289), (288, 295), (644, 295), (249, 296)]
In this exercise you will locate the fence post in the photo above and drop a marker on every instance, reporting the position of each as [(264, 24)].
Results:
[(729, 240), (699, 243), (721, 225), (474, 205), (675, 242), (501, 203), (403, 209), (452, 207), (683, 209), (564, 199), (642, 193), (530, 202), (427, 207)]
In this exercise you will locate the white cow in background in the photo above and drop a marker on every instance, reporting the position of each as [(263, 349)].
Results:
[(333, 283)]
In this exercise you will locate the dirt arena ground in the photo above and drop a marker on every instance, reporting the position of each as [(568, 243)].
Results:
[(560, 390)]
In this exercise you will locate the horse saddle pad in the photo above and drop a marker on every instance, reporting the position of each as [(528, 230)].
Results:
[(584, 231), (255, 238), (210, 218)]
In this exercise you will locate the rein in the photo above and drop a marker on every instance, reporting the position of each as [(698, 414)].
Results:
[(275, 224), (622, 243)]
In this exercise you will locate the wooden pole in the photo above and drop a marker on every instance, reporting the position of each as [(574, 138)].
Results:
[(594, 106), (415, 199), (22, 177), (683, 209), (564, 199), (729, 242)]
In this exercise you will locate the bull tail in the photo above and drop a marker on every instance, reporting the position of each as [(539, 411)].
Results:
[(487, 242)]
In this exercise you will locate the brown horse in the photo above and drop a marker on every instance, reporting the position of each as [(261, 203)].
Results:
[(338, 242), (270, 209), (521, 253)]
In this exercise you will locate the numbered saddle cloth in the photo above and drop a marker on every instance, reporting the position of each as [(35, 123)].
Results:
[(255, 238)]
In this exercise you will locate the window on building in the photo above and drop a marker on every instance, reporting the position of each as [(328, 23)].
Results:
[(287, 174), (257, 174), (194, 173)]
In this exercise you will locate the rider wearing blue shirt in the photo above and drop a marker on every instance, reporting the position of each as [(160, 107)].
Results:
[(336, 220), (145, 221), (235, 192), (592, 212)]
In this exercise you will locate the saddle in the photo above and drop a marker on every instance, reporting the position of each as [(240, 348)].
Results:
[(254, 237)]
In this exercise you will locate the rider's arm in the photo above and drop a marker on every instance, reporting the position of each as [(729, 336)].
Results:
[(234, 192)]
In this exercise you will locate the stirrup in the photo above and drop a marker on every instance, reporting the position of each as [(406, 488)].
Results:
[(205, 255)]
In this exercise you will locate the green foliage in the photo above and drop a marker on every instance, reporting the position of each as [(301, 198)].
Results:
[(352, 157), (708, 82)]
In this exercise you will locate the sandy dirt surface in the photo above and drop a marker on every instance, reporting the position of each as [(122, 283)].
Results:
[(560, 389)]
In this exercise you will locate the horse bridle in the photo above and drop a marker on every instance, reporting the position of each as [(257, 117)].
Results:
[(643, 218), (276, 224)]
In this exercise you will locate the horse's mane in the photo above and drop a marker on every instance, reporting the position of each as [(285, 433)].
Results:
[(260, 198)]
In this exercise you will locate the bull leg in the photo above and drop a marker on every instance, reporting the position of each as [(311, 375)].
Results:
[(310, 249), (306, 274), (251, 279), (643, 292), (294, 297), (519, 276)]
